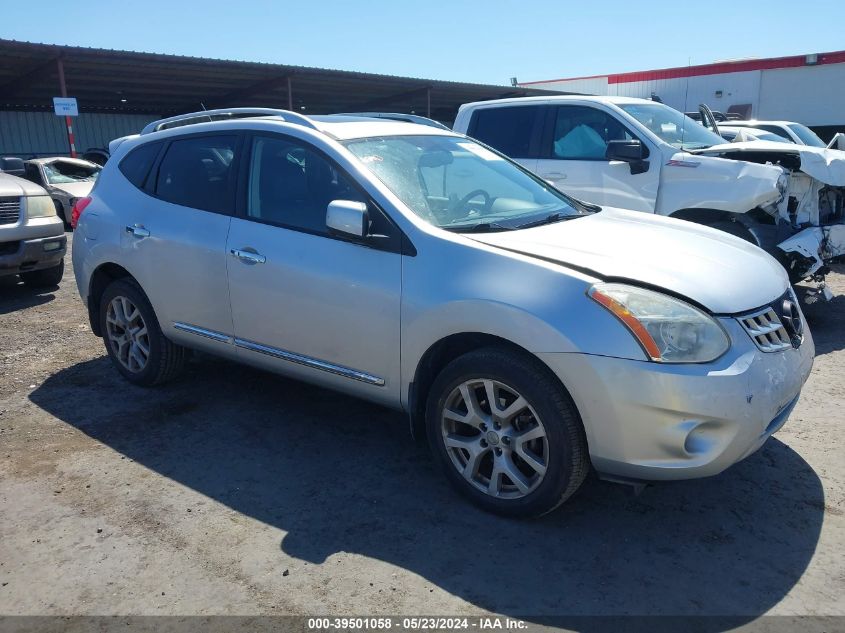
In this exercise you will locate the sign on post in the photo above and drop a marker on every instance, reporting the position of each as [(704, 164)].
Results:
[(65, 106)]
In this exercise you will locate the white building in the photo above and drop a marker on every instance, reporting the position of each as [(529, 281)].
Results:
[(809, 89)]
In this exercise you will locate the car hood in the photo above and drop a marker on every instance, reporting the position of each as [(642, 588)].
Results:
[(822, 163), (723, 273), (13, 186), (74, 189)]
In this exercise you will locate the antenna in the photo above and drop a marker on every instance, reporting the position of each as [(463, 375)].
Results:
[(686, 96), (202, 105)]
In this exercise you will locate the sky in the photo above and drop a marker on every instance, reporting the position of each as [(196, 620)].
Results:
[(461, 40)]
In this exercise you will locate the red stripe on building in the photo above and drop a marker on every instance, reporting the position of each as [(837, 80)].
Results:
[(795, 61)]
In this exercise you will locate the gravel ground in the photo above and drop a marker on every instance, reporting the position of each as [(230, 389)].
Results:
[(233, 491)]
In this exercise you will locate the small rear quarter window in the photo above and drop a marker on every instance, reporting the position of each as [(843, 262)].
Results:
[(136, 166)]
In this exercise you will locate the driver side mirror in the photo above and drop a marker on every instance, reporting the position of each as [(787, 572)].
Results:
[(627, 151), (632, 152), (348, 218)]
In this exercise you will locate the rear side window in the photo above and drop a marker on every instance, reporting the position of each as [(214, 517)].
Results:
[(509, 130), (137, 163), (199, 172)]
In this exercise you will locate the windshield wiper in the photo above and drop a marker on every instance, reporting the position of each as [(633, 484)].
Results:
[(481, 227), (549, 219)]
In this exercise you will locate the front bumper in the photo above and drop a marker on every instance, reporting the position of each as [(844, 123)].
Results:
[(652, 421), (815, 247), (35, 254)]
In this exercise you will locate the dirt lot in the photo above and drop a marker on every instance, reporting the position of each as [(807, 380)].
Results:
[(238, 492)]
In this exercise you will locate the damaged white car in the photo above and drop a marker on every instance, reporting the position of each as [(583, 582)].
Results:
[(809, 224), (643, 155)]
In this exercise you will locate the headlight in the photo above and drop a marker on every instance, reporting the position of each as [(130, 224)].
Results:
[(39, 206), (669, 330)]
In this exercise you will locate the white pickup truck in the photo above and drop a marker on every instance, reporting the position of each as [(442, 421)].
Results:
[(32, 236), (643, 155)]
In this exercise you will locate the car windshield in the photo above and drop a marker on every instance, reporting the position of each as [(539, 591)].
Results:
[(459, 185), (672, 126), (807, 136), (62, 172)]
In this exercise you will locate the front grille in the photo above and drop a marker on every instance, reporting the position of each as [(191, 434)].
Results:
[(766, 326), (10, 210)]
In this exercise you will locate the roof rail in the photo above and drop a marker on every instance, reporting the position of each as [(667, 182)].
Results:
[(223, 114)]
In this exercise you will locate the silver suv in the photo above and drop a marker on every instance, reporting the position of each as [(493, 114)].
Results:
[(528, 335), (32, 237)]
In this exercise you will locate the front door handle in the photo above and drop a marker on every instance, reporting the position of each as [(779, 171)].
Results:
[(138, 231), (248, 256)]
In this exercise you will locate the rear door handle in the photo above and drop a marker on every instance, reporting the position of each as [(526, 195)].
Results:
[(248, 257), (138, 231)]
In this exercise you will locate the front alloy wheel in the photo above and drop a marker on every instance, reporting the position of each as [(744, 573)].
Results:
[(127, 334), (494, 438), (506, 432)]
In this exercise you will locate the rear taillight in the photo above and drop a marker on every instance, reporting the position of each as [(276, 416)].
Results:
[(78, 208)]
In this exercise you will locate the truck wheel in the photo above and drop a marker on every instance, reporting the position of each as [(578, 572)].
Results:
[(133, 337), (46, 277), (506, 433), (736, 229)]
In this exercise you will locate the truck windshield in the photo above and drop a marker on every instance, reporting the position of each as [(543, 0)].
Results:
[(459, 185), (672, 126), (807, 136)]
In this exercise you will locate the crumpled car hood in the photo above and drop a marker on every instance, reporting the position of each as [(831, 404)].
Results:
[(723, 273), (75, 189), (826, 165)]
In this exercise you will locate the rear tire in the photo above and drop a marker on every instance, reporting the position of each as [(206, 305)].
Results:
[(46, 277), (523, 460), (133, 338)]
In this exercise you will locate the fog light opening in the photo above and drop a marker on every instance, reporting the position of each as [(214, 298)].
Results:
[(700, 440), (52, 246)]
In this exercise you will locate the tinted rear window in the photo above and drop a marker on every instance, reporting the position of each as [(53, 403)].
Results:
[(198, 172), (137, 163), (509, 130)]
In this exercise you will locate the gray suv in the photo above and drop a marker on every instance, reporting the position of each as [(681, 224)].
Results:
[(32, 236), (529, 336)]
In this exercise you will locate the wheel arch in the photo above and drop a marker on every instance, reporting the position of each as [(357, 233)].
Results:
[(443, 352), (102, 276)]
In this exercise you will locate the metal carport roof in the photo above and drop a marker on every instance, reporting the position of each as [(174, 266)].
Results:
[(105, 80)]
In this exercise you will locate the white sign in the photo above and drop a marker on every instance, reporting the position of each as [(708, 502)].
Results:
[(65, 106)]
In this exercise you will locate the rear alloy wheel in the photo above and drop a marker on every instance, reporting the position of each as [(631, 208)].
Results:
[(127, 334), (133, 337), (506, 432)]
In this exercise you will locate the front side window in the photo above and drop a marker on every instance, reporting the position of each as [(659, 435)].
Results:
[(509, 130), (291, 184), (773, 129), (671, 126), (807, 136), (582, 133), (460, 185), (62, 172), (198, 172)]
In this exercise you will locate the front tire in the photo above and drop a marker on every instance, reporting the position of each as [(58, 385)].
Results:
[(133, 338), (506, 433), (46, 277)]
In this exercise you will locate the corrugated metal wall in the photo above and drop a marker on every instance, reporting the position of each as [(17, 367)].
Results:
[(28, 134)]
